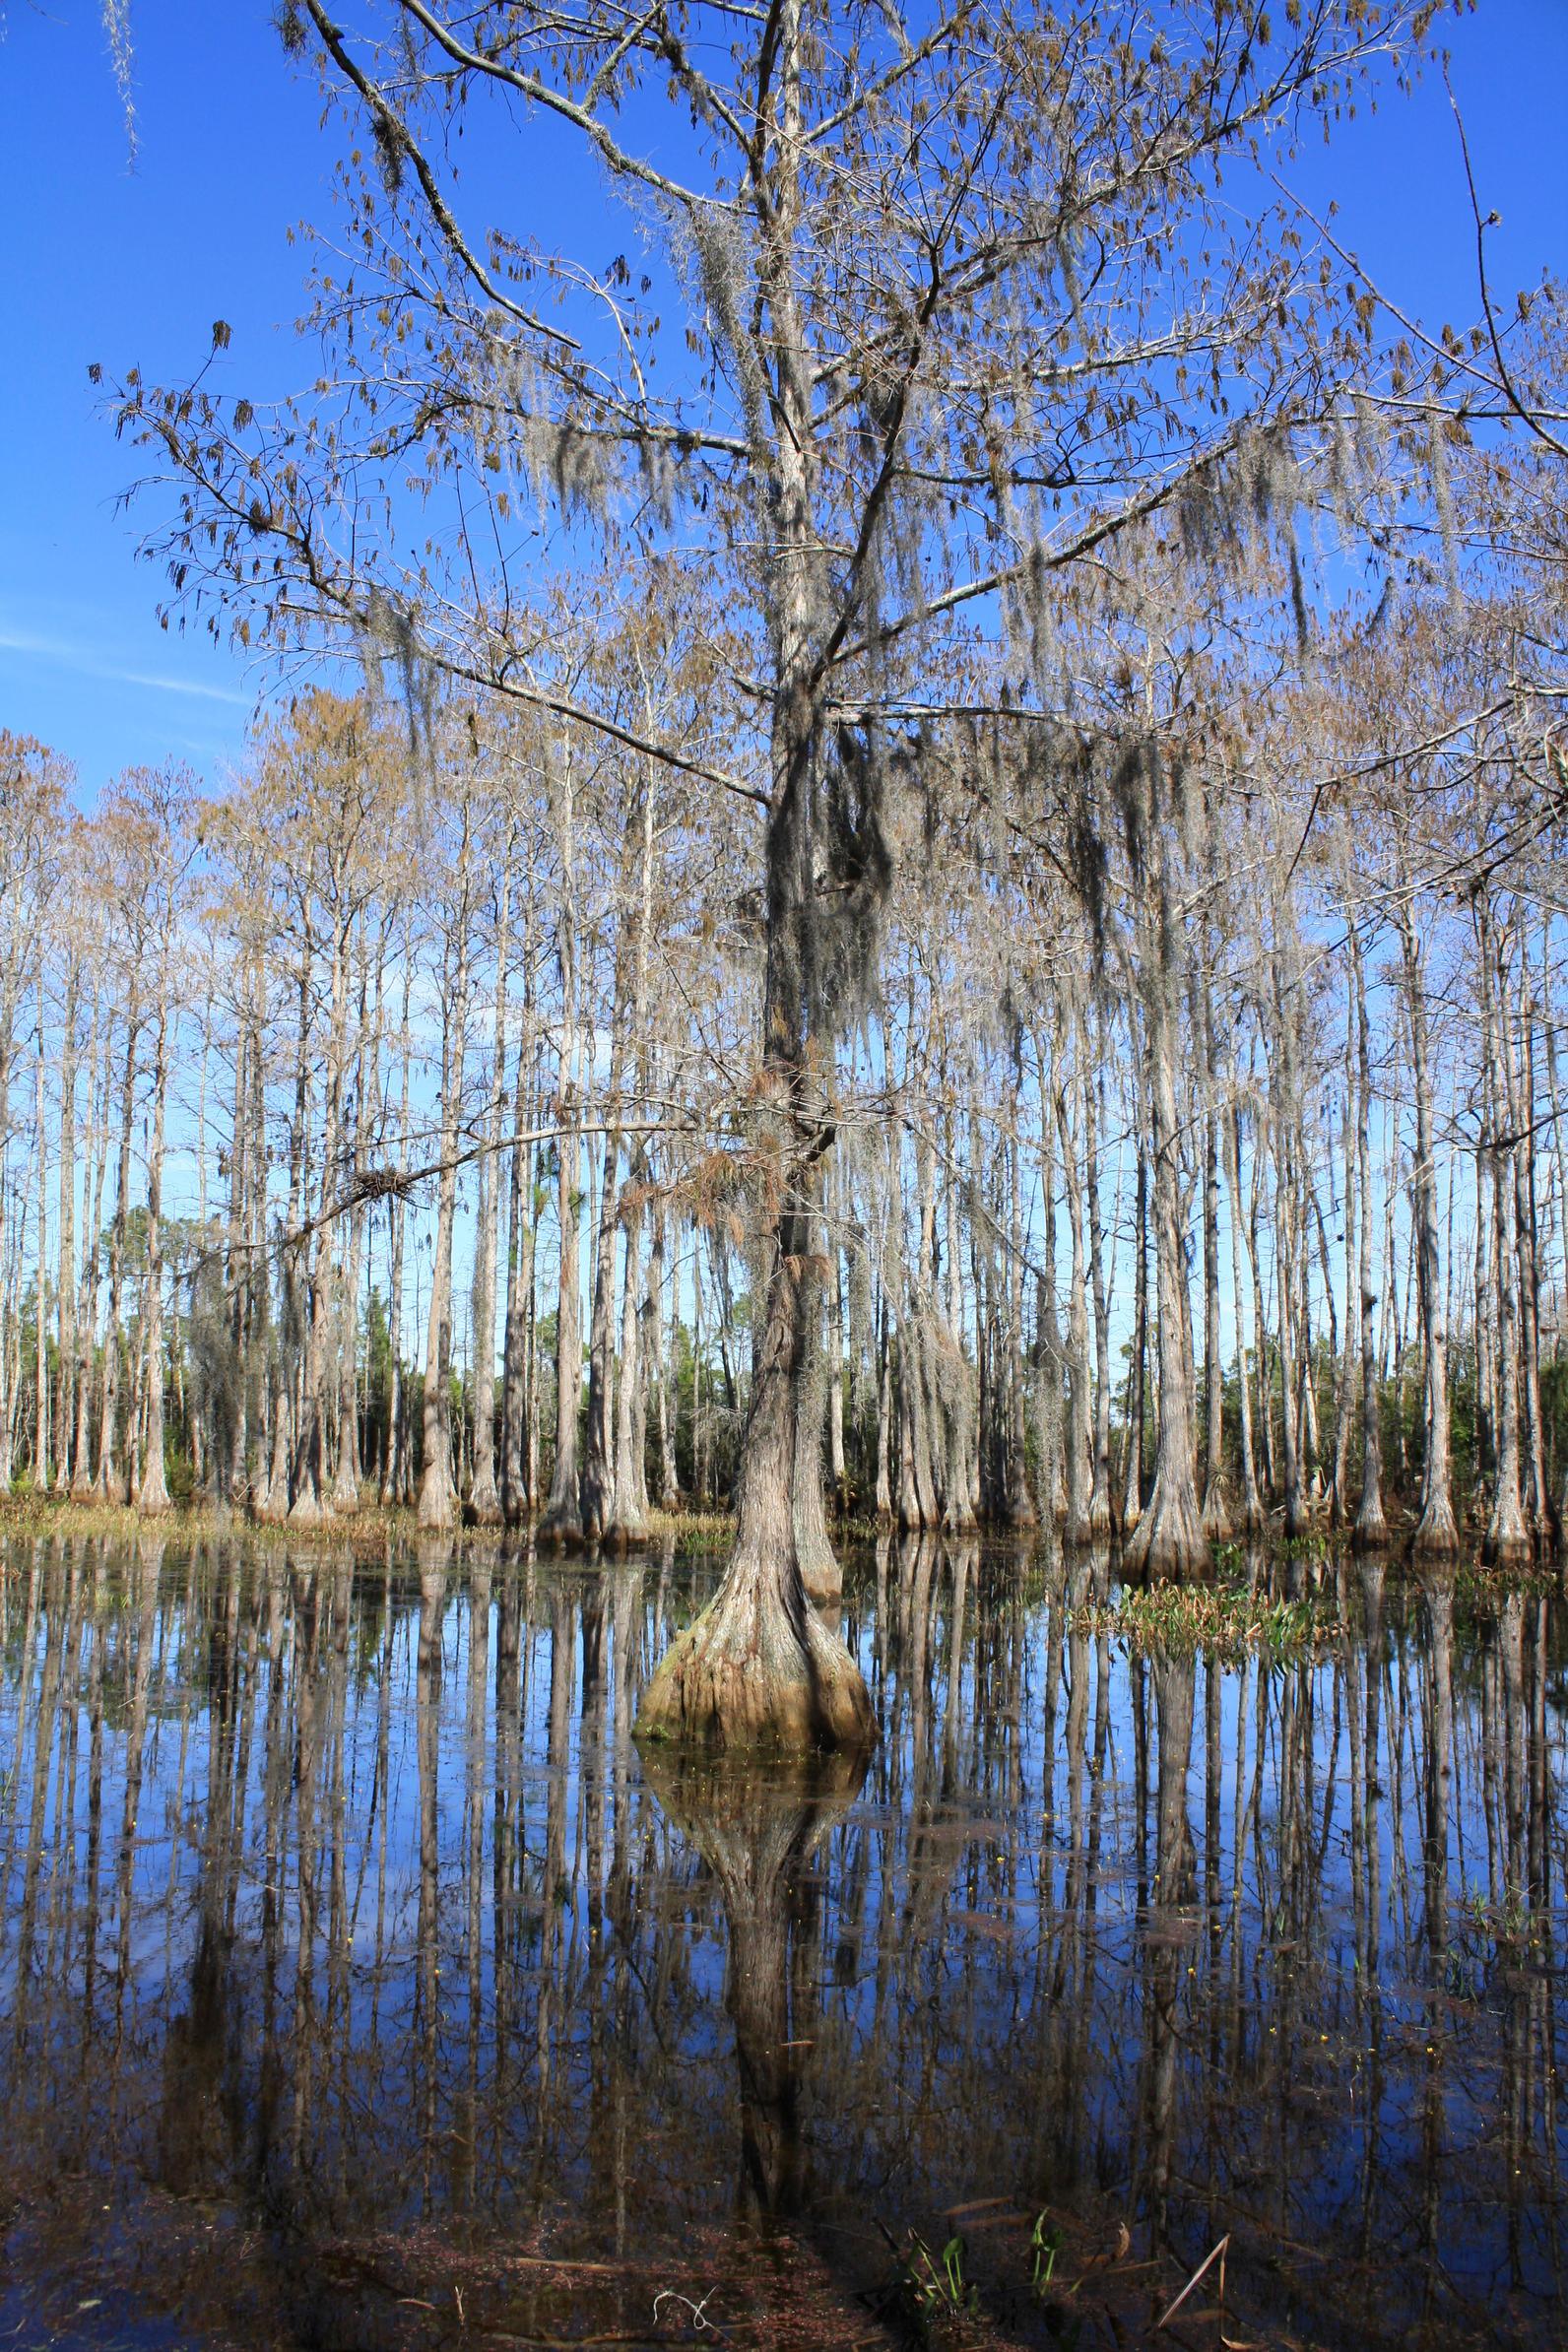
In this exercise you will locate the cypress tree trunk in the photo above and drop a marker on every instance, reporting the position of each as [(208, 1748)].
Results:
[(1371, 1528), (1020, 1506), (154, 1498), (668, 1476), (486, 1496), (1436, 1536), (1100, 1492), (1169, 1539), (561, 1520), (110, 1477), (41, 1360), (1077, 1436), (438, 1494), (66, 1291), (1241, 1288), (758, 1668), (516, 1494), (627, 1522), (597, 1468), (82, 1486)]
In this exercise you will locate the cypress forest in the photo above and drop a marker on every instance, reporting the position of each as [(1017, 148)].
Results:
[(784, 1295)]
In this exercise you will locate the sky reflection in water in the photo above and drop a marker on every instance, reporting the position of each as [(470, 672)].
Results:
[(343, 1923)]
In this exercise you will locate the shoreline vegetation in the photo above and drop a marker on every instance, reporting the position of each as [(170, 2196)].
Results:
[(1283, 1600)]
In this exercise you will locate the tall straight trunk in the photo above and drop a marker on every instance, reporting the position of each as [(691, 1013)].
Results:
[(1486, 1463), (1371, 1528), (1436, 1536), (40, 1405), (1507, 1534), (668, 1476), (154, 1499), (439, 1497), (1344, 1387), (346, 1479), (287, 1415), (1079, 1439), (759, 1667), (1538, 1508), (228, 1452), (311, 1501), (627, 1519), (1169, 1538), (885, 1398), (516, 1487), (1101, 1492), (1019, 1505), (1133, 1465), (66, 1290), (957, 1405), (396, 1444), (1560, 1155), (1047, 1335), (111, 1477), (1242, 1288), (597, 1466), (93, 1213), (834, 1292), (628, 1502), (1215, 1512), (1286, 1289), (486, 1496), (562, 1519)]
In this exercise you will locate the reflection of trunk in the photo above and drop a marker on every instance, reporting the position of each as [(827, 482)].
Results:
[(1438, 1587), (1175, 1875), (433, 1559), (757, 1834)]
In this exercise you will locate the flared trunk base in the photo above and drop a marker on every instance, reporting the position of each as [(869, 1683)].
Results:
[(759, 1670), (1436, 1538)]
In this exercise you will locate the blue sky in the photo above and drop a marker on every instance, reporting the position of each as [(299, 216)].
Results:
[(101, 263)]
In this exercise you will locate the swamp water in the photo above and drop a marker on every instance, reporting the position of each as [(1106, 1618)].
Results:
[(360, 1983)]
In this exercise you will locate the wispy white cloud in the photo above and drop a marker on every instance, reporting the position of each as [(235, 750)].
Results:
[(90, 665)]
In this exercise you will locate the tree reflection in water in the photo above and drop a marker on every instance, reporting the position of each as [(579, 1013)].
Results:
[(757, 1832), (345, 1929)]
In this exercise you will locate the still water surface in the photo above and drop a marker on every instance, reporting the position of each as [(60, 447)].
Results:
[(360, 1982)]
